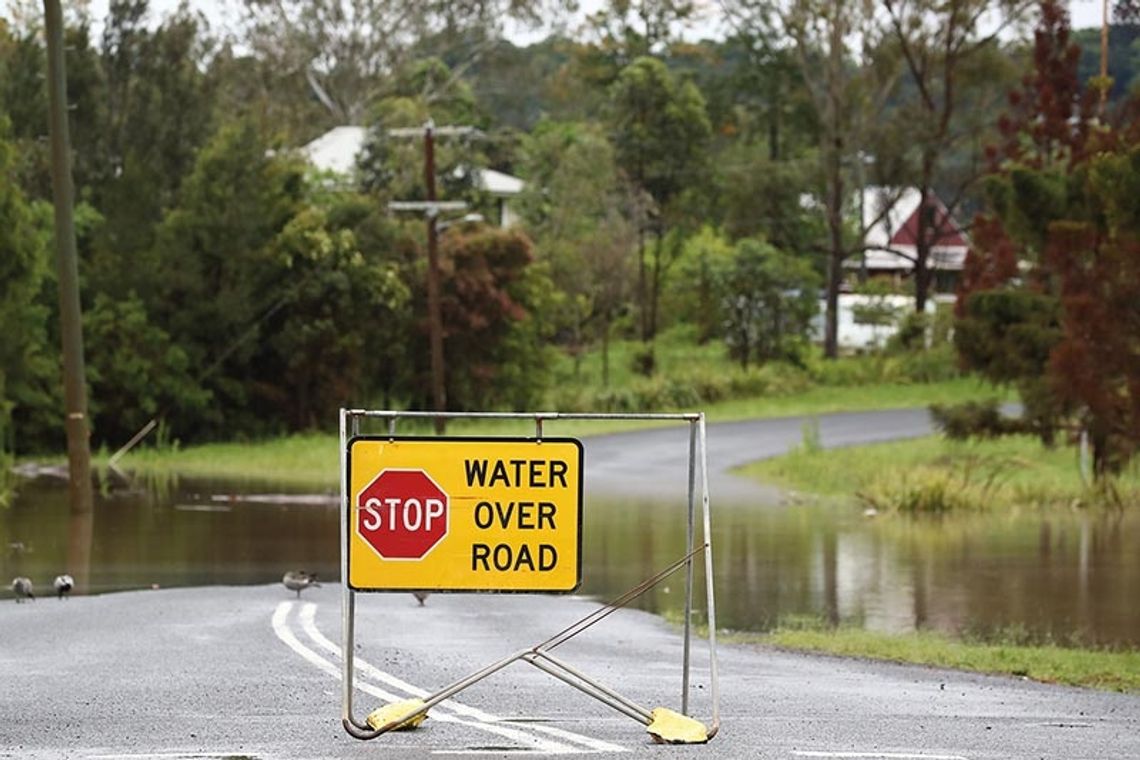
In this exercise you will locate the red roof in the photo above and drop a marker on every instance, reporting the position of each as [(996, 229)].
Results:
[(950, 233)]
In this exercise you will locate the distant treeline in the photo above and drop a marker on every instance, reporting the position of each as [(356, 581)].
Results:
[(230, 291)]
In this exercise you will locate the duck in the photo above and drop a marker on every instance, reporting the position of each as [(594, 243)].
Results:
[(63, 585), (299, 580), (22, 588)]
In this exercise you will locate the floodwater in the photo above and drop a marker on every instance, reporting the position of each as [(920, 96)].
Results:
[(1061, 577)]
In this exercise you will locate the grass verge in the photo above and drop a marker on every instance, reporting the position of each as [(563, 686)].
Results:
[(312, 460), (1092, 668), (934, 474)]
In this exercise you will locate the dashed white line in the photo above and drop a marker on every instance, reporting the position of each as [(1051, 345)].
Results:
[(308, 624), (482, 721), (877, 755)]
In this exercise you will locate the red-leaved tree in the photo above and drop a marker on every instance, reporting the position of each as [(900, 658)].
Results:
[(1050, 299)]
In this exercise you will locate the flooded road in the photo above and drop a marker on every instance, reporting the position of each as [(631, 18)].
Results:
[(1069, 577)]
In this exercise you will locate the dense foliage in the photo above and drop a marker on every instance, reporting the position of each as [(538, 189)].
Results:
[(1052, 294), (673, 188)]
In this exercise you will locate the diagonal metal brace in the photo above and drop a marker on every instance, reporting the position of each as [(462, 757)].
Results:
[(539, 656)]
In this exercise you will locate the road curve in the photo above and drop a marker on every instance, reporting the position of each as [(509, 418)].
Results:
[(254, 671), (655, 462)]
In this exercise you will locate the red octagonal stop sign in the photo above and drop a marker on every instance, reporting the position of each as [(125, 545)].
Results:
[(402, 514)]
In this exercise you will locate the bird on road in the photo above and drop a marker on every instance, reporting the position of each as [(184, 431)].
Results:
[(22, 588), (299, 580), (63, 585), (421, 596)]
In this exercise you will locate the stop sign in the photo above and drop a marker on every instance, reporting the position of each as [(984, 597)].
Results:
[(402, 514)]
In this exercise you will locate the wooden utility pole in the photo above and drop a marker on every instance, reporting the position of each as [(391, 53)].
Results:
[(71, 326), (1103, 55), (431, 211), (435, 317)]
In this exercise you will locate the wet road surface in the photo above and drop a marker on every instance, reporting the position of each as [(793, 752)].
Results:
[(254, 672)]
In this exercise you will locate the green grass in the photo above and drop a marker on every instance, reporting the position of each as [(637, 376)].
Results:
[(686, 371), (1093, 668), (826, 399), (936, 474), (312, 459)]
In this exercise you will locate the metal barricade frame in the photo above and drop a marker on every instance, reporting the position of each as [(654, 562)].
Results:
[(539, 655)]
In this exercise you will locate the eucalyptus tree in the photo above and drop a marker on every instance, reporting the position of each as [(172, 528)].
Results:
[(957, 74), (850, 82), (660, 131), (577, 208), (347, 51), (621, 31)]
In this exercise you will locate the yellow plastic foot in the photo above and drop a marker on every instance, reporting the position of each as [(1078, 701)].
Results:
[(670, 727), (382, 716)]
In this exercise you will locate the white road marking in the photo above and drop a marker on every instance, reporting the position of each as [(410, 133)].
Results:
[(166, 756), (532, 744), (284, 633), (495, 752), (308, 624), (878, 755)]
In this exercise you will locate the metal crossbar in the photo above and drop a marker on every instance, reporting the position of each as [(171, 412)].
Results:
[(539, 655)]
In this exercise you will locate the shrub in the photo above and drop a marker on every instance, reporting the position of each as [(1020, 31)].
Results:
[(974, 419), (921, 491), (931, 365), (645, 362)]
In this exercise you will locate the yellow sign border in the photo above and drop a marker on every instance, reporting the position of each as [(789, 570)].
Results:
[(348, 508)]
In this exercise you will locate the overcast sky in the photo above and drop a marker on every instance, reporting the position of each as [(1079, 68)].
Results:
[(1085, 13)]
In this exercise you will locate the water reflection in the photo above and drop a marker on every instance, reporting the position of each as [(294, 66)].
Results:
[(1064, 576), (80, 534), (170, 533)]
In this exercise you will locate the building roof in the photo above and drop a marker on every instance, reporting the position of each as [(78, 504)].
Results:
[(498, 183), (896, 230), (336, 151)]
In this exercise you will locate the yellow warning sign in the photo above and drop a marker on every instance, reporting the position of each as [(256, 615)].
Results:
[(464, 514)]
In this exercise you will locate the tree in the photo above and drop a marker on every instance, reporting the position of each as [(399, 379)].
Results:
[(951, 51), (660, 130), (492, 301), (763, 197), (876, 309), (347, 53), (392, 168), (698, 296), (770, 300), (213, 288), (762, 98), (849, 87), (1056, 278), (1095, 252), (155, 115), (576, 209), (1050, 116), (391, 344), (29, 365), (23, 98), (624, 30), (136, 372), (321, 338)]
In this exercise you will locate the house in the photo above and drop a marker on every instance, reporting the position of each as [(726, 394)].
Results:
[(891, 218), (867, 322), (336, 152)]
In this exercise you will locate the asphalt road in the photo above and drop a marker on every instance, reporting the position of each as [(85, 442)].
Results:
[(254, 672)]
